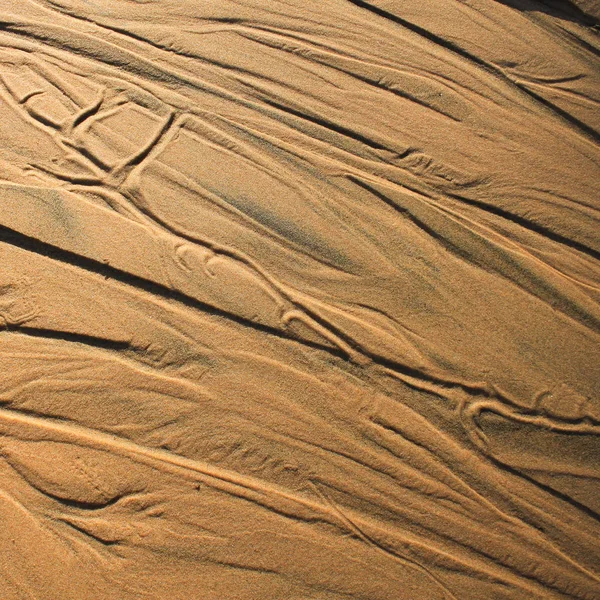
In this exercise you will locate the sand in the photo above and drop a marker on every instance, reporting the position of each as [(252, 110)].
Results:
[(299, 300)]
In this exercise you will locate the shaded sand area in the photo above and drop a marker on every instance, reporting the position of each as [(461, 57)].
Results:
[(299, 300)]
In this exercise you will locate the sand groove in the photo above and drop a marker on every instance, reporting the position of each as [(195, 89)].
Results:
[(299, 300)]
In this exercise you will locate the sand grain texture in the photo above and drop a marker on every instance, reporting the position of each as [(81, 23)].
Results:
[(299, 300)]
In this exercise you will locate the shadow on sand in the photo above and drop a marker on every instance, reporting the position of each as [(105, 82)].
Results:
[(562, 9)]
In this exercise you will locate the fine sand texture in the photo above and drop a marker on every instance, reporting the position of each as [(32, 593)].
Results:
[(299, 300)]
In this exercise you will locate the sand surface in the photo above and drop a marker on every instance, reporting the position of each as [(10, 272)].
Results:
[(299, 300)]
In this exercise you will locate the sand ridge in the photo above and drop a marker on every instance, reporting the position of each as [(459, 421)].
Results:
[(299, 300)]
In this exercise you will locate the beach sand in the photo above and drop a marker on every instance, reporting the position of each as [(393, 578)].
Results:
[(299, 300)]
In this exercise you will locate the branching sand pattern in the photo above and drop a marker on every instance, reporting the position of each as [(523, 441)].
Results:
[(299, 300)]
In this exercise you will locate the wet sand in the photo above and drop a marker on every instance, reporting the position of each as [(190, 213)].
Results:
[(299, 300)]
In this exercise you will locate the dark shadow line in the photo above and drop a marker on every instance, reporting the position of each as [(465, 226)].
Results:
[(448, 45), (67, 336), (52, 252)]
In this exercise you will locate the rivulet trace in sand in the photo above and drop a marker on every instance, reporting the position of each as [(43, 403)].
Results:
[(299, 300)]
